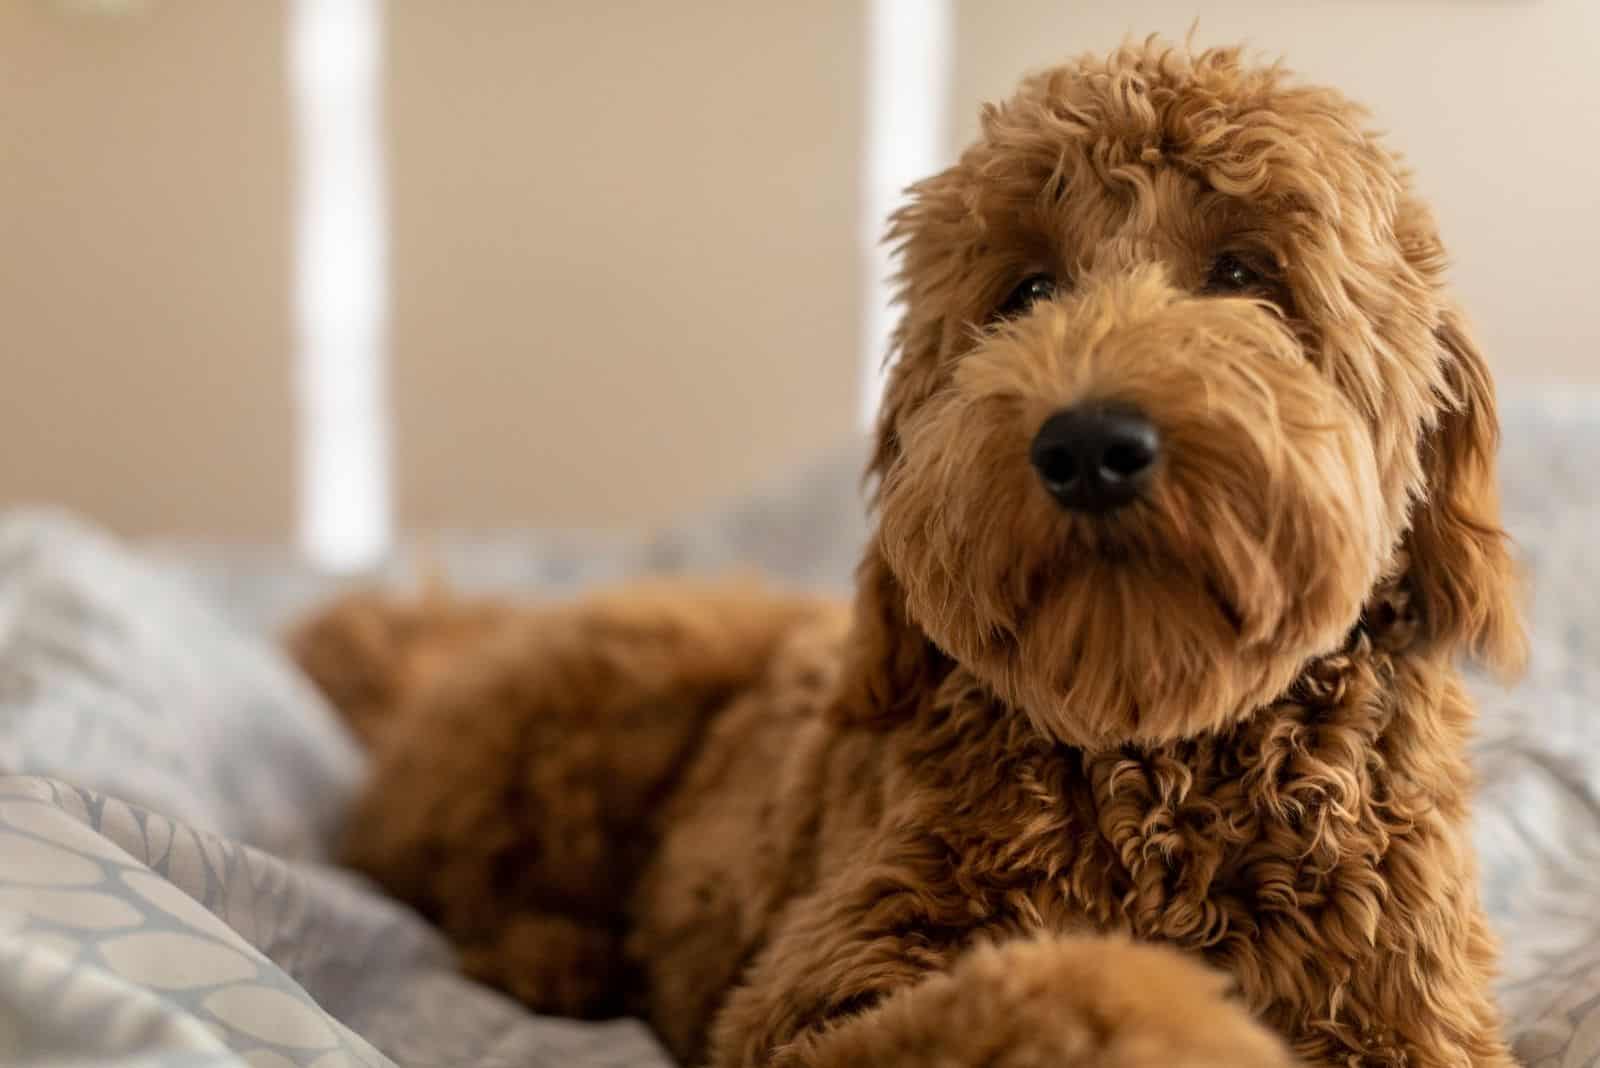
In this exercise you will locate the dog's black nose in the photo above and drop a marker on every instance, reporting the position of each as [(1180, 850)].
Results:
[(1094, 459)]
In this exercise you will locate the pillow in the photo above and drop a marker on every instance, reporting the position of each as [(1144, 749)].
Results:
[(118, 679)]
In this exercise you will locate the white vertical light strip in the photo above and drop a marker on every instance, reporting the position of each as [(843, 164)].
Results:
[(908, 88), (340, 283)]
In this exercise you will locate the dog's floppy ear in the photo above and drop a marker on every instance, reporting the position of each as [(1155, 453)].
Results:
[(929, 234), (913, 378), (889, 663), (1460, 563)]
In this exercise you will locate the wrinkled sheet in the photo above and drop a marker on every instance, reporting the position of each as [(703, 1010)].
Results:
[(171, 906)]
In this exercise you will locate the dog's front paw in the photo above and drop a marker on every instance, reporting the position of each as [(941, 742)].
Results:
[(1053, 1003)]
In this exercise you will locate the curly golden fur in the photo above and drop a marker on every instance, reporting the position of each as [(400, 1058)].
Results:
[(1224, 719)]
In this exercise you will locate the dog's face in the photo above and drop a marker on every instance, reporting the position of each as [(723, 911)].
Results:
[(1177, 384)]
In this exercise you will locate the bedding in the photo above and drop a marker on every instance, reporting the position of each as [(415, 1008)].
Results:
[(171, 906), (169, 786), (111, 674), (129, 937)]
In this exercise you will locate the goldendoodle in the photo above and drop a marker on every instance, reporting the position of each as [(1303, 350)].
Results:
[(1185, 513)]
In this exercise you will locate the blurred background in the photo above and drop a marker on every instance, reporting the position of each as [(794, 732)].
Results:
[(325, 272)]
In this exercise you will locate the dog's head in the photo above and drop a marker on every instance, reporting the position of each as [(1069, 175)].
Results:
[(1177, 386)]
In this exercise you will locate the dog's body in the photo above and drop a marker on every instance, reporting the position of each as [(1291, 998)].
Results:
[(1192, 685)]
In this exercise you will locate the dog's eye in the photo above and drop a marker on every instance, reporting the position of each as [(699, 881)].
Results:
[(1230, 274), (1030, 291)]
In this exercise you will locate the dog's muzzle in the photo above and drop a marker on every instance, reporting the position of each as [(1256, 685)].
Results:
[(1095, 458)]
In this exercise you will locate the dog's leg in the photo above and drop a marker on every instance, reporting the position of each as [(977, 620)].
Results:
[(517, 799), (872, 969), (1051, 1003)]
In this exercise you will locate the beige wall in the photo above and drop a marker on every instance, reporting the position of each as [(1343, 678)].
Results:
[(625, 266), (144, 266), (623, 239), (624, 252), (1496, 103)]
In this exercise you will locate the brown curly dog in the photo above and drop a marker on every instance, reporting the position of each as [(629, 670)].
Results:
[(1185, 509)]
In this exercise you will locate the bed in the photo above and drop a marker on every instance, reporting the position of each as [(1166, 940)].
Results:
[(169, 786)]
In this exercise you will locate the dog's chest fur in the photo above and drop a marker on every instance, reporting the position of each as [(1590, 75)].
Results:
[(1324, 837), (1276, 845)]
